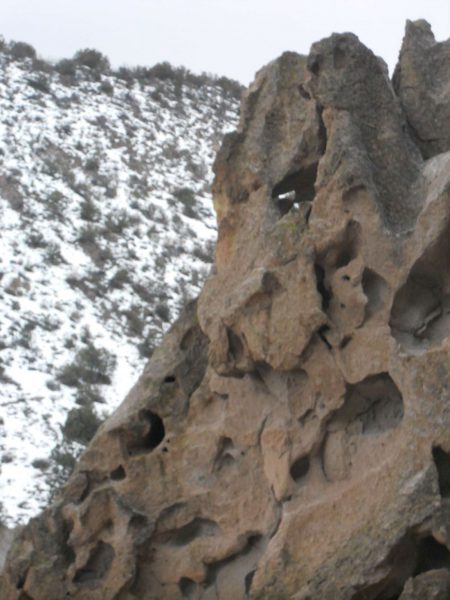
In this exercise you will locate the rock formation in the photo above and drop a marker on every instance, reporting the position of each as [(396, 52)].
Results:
[(290, 439)]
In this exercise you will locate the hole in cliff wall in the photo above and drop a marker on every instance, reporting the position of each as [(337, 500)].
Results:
[(322, 333), (97, 566), (370, 408), (299, 469), (341, 254), (138, 524), (145, 434), (411, 556), (420, 314), (225, 454), (235, 346), (345, 342), (249, 580), (188, 588), (118, 474), (186, 534), (376, 291), (232, 565), (321, 287), (442, 463), (375, 402), (295, 188), (431, 555)]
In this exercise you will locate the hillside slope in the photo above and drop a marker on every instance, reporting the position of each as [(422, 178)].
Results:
[(106, 229)]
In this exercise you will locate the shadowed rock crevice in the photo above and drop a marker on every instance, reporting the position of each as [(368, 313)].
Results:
[(225, 456), (188, 588), (299, 469), (236, 566), (147, 433), (186, 534), (420, 315), (412, 556), (97, 566), (371, 408), (442, 464), (376, 291), (118, 474)]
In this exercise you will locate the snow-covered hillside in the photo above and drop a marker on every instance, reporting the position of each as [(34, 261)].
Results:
[(106, 229)]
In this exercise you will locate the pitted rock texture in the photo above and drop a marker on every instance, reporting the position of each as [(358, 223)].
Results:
[(422, 81), (290, 439)]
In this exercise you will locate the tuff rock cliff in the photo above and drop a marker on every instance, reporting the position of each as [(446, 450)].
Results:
[(290, 439)]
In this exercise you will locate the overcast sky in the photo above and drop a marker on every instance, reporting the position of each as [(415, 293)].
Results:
[(228, 37)]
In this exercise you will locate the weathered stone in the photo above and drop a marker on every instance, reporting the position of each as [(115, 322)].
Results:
[(290, 439), (422, 82)]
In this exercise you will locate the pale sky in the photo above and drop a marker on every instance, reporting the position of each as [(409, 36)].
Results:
[(228, 37)]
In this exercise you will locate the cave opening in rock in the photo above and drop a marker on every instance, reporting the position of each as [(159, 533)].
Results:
[(431, 555), (188, 588), (324, 292), (375, 289), (420, 315), (295, 188), (98, 564), (299, 468), (442, 463), (118, 474), (146, 435)]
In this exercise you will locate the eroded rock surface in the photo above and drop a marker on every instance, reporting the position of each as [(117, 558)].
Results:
[(290, 439), (422, 81)]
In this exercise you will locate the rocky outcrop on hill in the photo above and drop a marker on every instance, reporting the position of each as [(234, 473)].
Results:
[(290, 437)]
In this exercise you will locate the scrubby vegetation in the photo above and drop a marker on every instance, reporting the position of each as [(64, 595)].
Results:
[(105, 180)]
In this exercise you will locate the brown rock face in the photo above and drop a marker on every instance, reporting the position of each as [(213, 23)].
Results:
[(290, 439), (422, 81)]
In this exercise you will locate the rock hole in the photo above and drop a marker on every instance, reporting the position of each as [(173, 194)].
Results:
[(299, 468), (188, 588), (138, 522), (321, 287), (322, 333), (251, 545), (118, 474), (170, 379), (188, 339), (98, 564), (345, 341), (183, 536), (344, 251), (21, 581), (295, 188), (235, 345), (146, 434), (248, 581), (270, 283), (442, 463), (375, 289), (431, 555), (304, 92), (371, 407), (314, 63), (376, 402), (420, 314), (225, 454)]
